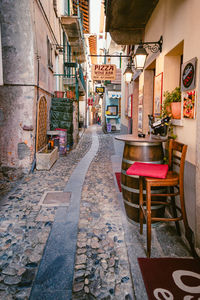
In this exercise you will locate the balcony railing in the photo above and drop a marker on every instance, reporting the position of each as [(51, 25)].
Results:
[(73, 28), (81, 77)]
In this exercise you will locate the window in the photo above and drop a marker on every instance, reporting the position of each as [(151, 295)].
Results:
[(49, 53), (112, 109)]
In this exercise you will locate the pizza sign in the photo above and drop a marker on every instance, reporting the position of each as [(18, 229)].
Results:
[(103, 72), (188, 75)]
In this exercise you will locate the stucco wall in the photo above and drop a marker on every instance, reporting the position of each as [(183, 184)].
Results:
[(25, 29), (178, 22), (17, 94)]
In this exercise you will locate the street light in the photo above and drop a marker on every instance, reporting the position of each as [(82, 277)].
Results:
[(128, 73), (140, 57), (141, 53)]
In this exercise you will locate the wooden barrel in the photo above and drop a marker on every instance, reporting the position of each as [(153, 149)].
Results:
[(148, 152)]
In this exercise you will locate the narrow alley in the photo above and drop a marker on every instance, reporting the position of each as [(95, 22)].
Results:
[(79, 245)]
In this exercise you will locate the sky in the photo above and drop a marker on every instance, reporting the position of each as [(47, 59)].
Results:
[(95, 9)]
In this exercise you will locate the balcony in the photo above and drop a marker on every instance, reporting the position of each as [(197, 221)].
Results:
[(72, 26), (70, 78), (81, 81), (126, 20), (73, 78)]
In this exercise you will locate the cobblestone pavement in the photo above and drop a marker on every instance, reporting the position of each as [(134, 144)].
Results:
[(101, 267), (25, 225)]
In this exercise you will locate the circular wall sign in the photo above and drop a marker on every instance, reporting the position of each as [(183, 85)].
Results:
[(188, 75)]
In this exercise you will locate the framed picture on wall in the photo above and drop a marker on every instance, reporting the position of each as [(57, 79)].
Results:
[(188, 75), (157, 99), (140, 108), (130, 101), (189, 104), (140, 96)]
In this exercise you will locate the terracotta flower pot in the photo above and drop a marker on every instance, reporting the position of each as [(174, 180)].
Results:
[(70, 94), (59, 94), (168, 109), (176, 110)]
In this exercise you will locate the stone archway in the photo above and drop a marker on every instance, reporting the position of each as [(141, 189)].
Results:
[(41, 123)]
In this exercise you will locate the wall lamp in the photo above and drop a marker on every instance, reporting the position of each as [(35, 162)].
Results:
[(141, 53), (129, 72)]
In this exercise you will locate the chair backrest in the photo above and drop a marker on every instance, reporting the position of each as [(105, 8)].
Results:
[(176, 160)]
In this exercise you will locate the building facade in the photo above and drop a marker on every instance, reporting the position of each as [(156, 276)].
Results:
[(35, 47), (165, 70)]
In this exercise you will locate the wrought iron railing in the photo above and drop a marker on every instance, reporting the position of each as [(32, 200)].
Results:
[(81, 77)]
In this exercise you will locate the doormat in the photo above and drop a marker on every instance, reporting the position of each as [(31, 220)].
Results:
[(118, 177), (171, 278), (52, 198)]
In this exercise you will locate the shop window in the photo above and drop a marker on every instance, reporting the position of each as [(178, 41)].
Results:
[(49, 53)]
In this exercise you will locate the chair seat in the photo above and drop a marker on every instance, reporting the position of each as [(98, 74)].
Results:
[(172, 178), (148, 169)]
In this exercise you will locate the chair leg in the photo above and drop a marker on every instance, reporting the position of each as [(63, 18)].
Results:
[(141, 204), (174, 211), (148, 204)]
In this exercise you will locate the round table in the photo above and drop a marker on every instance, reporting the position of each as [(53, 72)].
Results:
[(146, 150)]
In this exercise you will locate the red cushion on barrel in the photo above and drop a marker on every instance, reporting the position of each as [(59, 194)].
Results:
[(148, 170)]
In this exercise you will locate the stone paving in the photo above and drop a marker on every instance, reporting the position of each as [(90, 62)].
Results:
[(107, 245), (101, 267), (25, 225)]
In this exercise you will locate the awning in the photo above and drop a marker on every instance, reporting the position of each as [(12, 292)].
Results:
[(114, 94)]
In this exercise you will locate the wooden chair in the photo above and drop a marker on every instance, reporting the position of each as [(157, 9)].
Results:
[(174, 183)]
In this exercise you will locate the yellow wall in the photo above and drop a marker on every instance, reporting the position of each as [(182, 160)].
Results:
[(177, 21)]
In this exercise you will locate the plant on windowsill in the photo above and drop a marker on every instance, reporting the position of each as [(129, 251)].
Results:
[(172, 103), (172, 99)]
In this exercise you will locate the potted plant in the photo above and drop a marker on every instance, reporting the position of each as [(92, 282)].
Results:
[(172, 103), (171, 100), (59, 94)]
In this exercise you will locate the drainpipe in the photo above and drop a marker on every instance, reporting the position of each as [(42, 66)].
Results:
[(68, 7), (77, 93), (64, 41)]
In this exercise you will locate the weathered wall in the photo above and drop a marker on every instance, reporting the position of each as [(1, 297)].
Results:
[(25, 28), (17, 94)]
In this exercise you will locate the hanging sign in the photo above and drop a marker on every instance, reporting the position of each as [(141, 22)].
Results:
[(103, 72), (100, 89), (188, 70), (90, 101)]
